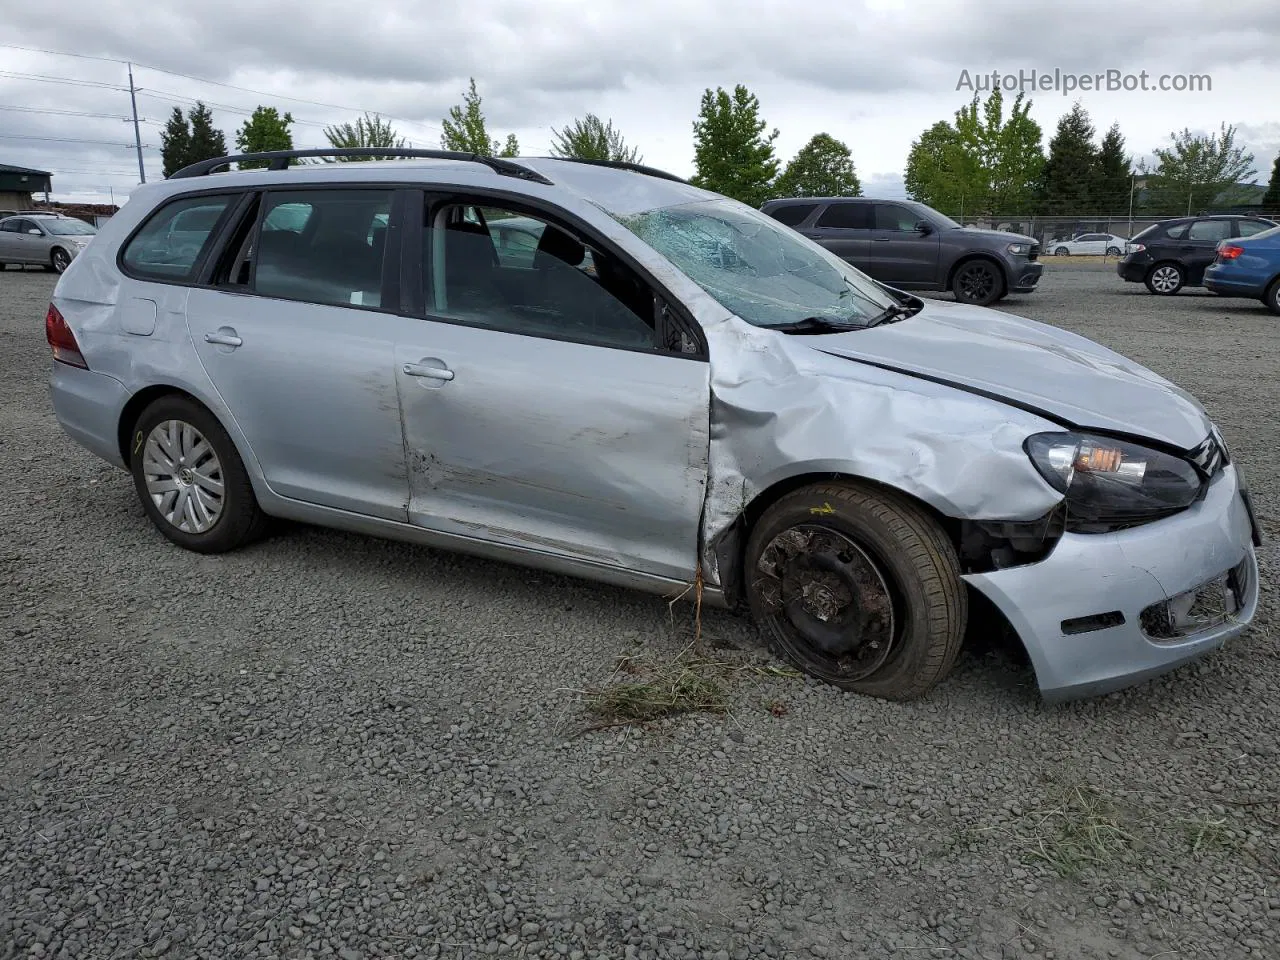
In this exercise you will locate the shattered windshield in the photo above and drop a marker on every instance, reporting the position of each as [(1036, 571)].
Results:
[(764, 272)]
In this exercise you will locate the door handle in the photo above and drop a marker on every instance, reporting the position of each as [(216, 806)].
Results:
[(880, 239), (224, 339), (422, 370)]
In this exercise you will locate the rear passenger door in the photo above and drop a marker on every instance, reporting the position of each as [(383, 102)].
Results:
[(292, 331), (844, 228)]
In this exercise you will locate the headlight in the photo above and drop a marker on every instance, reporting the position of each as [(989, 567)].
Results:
[(1020, 249), (1111, 483)]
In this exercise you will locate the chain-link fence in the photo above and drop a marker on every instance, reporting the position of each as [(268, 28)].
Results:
[(1066, 233)]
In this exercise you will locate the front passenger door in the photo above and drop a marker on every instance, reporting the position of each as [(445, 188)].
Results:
[(898, 252), (541, 410)]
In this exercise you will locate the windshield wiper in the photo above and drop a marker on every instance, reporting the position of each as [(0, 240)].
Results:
[(816, 325), (890, 314)]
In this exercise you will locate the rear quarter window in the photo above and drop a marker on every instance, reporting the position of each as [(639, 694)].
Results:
[(172, 241), (792, 214)]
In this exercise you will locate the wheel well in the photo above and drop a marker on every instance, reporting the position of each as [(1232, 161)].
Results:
[(139, 402), (970, 258)]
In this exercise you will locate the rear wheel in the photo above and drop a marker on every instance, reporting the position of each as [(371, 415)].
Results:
[(1272, 298), (1165, 279), (190, 478), (857, 588), (978, 282), (1061, 252), (1113, 251)]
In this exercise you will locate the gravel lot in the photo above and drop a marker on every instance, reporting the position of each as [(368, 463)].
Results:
[(330, 746)]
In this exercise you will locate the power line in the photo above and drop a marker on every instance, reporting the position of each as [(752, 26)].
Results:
[(63, 113), (13, 75), (105, 143)]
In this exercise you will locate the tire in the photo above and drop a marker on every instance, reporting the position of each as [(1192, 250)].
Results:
[(166, 431), (59, 260), (1113, 251), (1165, 279), (1061, 252), (1272, 297), (978, 283), (874, 560)]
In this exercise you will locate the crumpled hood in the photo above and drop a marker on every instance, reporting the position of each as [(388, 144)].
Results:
[(1030, 364)]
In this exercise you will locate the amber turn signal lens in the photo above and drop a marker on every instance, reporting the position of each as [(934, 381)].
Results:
[(1099, 459)]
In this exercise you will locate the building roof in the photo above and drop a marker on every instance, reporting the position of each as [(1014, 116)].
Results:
[(6, 168)]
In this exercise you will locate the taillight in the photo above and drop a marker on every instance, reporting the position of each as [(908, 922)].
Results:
[(62, 340), (1136, 247), (1229, 252)]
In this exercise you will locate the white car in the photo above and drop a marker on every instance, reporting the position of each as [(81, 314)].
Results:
[(1090, 244)]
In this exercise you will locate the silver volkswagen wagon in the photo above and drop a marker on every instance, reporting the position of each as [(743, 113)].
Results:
[(671, 389)]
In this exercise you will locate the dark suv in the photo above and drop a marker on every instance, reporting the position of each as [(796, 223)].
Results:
[(912, 246), (1173, 254)]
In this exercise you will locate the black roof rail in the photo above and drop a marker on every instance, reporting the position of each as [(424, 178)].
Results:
[(626, 165), (279, 160)]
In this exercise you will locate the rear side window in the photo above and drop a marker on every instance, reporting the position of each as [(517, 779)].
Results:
[(323, 246), (174, 239), (855, 216), (1176, 232), (793, 213), (1210, 230), (1249, 228)]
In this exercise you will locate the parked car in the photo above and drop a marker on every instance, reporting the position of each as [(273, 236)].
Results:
[(43, 239), (911, 246), (1173, 254), (725, 402), (1090, 244), (1248, 267)]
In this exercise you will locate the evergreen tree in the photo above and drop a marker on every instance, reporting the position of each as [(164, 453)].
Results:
[(465, 131), (732, 154), (1271, 199), (592, 139), (207, 141), (264, 131), (822, 168), (367, 131), (175, 143), (1115, 171), (1071, 174)]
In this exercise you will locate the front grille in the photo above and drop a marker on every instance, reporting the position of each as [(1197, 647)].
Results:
[(1035, 251)]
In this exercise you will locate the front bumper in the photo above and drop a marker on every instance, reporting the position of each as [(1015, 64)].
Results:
[(1024, 275), (1118, 577)]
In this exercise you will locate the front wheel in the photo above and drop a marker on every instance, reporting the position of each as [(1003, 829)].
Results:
[(1272, 296), (59, 260), (190, 478), (1165, 279), (859, 589), (1061, 252), (978, 282)]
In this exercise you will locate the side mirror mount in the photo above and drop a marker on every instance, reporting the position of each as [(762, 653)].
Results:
[(925, 227)]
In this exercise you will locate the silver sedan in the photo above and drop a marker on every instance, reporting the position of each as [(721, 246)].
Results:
[(48, 241)]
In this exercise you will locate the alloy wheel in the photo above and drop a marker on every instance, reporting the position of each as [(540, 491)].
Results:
[(976, 283), (60, 261), (183, 476), (1166, 279)]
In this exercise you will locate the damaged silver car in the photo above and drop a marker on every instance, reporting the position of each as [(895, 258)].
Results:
[(666, 387)]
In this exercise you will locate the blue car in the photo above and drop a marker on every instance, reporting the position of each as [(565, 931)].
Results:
[(1248, 267)]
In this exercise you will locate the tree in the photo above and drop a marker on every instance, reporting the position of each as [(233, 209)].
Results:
[(1008, 152), (1271, 199), (942, 173), (175, 142), (367, 131), (1071, 174), (465, 131), (265, 130), (206, 141), (1198, 171), (822, 168), (732, 155), (592, 139), (1115, 172)]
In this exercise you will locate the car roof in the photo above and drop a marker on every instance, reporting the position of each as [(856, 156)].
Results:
[(615, 189)]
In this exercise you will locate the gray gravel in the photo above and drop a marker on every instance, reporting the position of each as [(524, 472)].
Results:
[(330, 746)]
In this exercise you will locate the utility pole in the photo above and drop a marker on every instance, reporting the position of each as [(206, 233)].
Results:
[(1133, 183), (137, 135)]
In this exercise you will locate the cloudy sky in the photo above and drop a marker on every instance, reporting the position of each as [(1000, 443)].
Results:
[(873, 73)]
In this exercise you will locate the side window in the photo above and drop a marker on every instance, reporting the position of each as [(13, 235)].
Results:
[(793, 213), (850, 216), (175, 237), (561, 288), (1176, 232), (1249, 227), (22, 226), (322, 246), (9, 226), (890, 216), (1209, 230)]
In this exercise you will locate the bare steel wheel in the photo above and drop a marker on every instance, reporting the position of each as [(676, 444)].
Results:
[(857, 587), (190, 478), (183, 476)]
